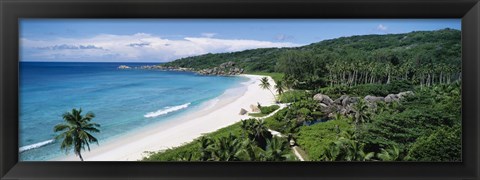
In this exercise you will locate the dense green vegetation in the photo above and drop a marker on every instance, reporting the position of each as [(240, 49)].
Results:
[(265, 110), (317, 137), (367, 89), (423, 124), (423, 127), (293, 96), (274, 75), (443, 143), (177, 153), (248, 140), (423, 58), (255, 60)]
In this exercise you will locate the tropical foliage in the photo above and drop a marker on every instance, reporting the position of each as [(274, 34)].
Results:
[(248, 140), (265, 110), (76, 131), (424, 58), (424, 126)]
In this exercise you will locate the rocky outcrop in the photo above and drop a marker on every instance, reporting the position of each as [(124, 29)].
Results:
[(396, 97), (344, 104), (227, 64), (123, 67), (165, 68), (350, 100), (404, 94), (254, 108), (341, 105), (243, 111), (322, 98), (346, 110), (390, 98), (372, 99), (225, 69), (340, 99)]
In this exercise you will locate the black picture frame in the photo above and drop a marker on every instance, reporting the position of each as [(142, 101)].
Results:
[(12, 10)]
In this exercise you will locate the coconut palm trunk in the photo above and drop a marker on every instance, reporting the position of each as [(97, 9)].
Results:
[(264, 84), (80, 156)]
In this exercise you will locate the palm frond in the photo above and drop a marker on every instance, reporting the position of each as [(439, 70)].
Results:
[(61, 127), (76, 131)]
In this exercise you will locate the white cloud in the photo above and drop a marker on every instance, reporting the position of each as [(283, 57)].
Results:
[(209, 35), (136, 47), (382, 27)]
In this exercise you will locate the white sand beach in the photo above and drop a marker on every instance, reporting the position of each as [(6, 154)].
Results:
[(218, 114)]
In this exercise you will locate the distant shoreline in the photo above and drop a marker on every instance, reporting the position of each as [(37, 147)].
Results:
[(222, 111), (225, 69)]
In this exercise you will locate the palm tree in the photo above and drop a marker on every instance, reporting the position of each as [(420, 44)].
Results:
[(362, 115), (381, 107), (250, 151), (346, 148), (392, 154), (228, 148), (256, 130), (76, 131), (264, 84), (185, 156), (362, 112), (290, 82), (331, 153), (364, 156), (276, 150), (206, 146), (280, 87)]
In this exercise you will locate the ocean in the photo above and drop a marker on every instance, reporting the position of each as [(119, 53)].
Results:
[(122, 100)]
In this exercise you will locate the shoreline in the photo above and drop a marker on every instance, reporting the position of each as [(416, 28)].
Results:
[(217, 113)]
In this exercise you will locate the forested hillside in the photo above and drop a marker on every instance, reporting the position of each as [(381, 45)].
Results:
[(390, 97), (425, 57)]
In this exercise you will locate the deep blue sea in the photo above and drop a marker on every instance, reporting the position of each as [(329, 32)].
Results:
[(122, 100)]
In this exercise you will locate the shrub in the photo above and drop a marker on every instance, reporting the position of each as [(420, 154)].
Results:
[(265, 110), (293, 96), (277, 122), (268, 109), (172, 154), (368, 89), (316, 138), (333, 92), (443, 145), (415, 117)]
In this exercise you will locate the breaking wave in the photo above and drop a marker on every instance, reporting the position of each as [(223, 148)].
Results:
[(36, 145), (166, 110)]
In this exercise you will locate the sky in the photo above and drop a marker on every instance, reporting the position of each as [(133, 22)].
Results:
[(163, 40)]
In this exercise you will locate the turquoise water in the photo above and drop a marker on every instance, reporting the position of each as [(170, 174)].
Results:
[(122, 100)]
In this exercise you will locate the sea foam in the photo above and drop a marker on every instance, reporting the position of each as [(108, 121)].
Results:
[(166, 110), (36, 145)]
